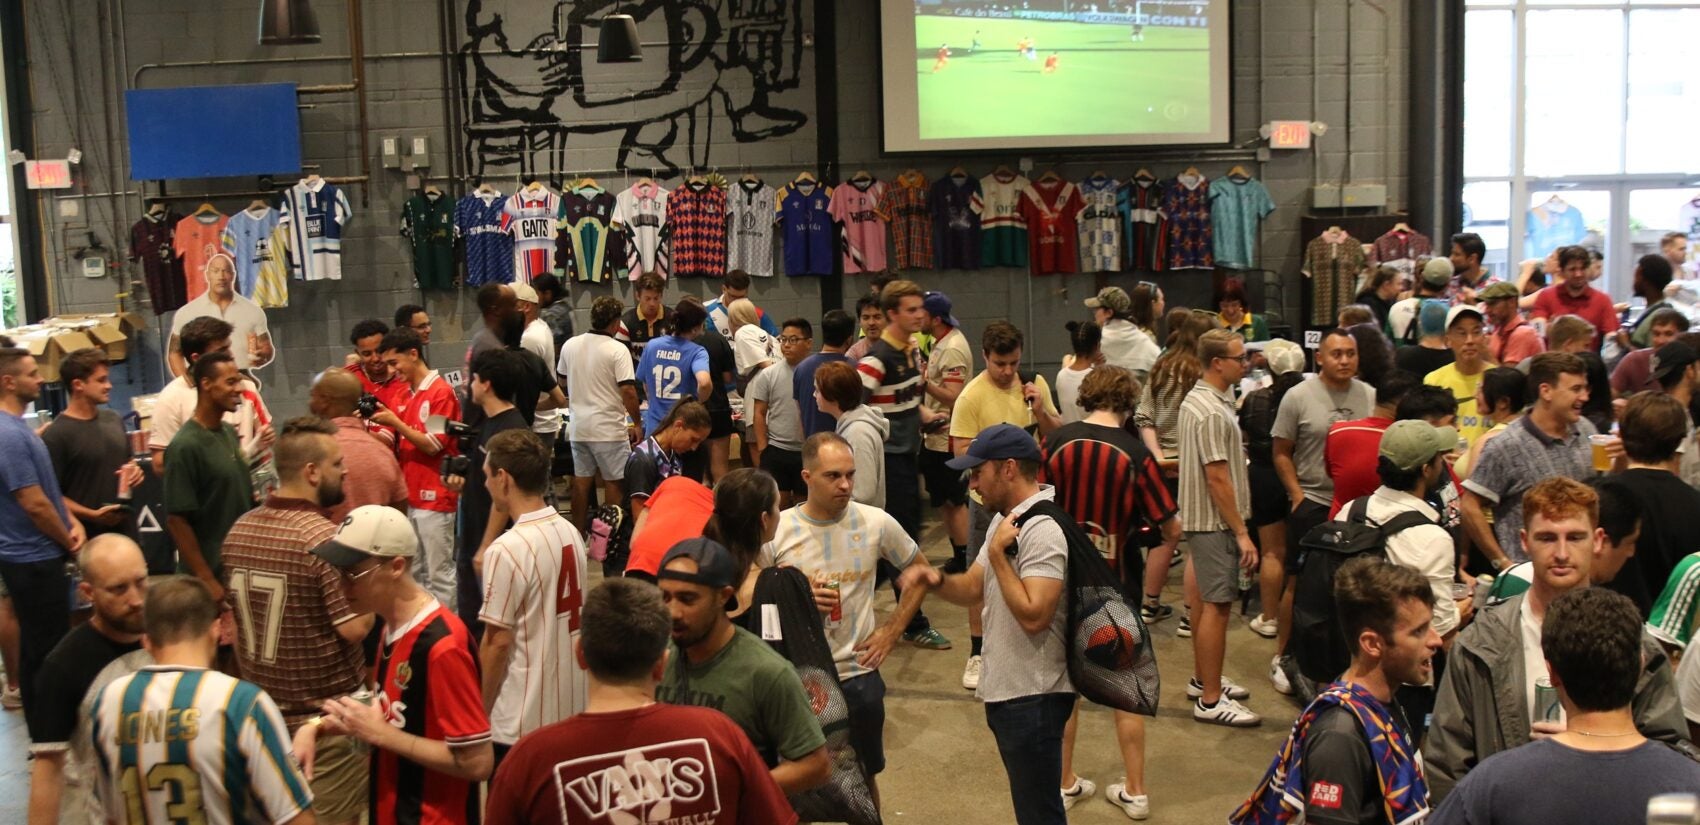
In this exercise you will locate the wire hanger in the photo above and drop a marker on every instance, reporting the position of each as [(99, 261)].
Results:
[(1144, 174), (1050, 176), (806, 176)]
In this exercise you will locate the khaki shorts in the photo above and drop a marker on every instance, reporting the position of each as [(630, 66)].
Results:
[(1215, 565), (339, 779)]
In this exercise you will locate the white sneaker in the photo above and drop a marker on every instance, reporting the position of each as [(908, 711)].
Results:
[(971, 673), (1184, 629), (12, 699), (1226, 712), (1264, 626), (1279, 677), (1083, 789), (1136, 807), (1230, 689)]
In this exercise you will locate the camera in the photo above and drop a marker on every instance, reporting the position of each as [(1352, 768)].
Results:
[(457, 465), (367, 406)]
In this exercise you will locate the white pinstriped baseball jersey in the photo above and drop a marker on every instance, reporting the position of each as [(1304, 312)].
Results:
[(534, 585)]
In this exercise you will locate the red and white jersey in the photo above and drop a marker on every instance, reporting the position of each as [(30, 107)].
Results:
[(534, 585), (531, 216)]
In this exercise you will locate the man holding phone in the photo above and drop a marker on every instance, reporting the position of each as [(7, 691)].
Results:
[(90, 451)]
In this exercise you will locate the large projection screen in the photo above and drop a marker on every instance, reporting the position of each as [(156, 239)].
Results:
[(1050, 74)]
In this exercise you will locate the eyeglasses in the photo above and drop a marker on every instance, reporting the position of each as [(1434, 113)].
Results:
[(1243, 358), (792, 339), (362, 574)]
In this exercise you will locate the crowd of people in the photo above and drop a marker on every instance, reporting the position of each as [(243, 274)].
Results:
[(380, 607)]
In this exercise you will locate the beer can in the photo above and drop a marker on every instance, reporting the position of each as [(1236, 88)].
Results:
[(1547, 708), (834, 618), (364, 696)]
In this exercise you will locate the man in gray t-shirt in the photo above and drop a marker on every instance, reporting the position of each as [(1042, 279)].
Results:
[(1301, 430), (1020, 575), (776, 431)]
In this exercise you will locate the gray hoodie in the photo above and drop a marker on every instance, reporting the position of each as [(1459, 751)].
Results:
[(866, 429)]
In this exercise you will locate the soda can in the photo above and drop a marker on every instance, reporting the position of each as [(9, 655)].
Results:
[(364, 696), (836, 617), (1547, 707)]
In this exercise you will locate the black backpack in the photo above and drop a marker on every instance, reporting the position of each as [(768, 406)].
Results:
[(1318, 644)]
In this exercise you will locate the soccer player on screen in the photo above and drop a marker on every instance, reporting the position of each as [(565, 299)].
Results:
[(974, 45), (943, 57), (1138, 32), (1051, 64)]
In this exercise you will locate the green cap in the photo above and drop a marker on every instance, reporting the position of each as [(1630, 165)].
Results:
[(1498, 291), (1412, 443)]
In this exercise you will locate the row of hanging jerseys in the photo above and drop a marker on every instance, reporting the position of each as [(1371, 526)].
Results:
[(708, 226), (300, 239), (1335, 262)]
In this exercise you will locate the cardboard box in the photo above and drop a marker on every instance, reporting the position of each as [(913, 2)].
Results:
[(50, 345), (54, 338), (111, 331)]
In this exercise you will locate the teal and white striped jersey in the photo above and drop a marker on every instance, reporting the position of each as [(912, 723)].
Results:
[(178, 744), (1677, 611)]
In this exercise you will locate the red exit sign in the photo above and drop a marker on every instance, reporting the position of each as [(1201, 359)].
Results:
[(1289, 134), (47, 174)]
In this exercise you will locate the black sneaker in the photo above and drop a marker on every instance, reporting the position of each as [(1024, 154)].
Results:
[(1153, 612)]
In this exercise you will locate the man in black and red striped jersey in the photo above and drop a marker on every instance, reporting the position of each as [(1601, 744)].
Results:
[(429, 735), (1108, 481)]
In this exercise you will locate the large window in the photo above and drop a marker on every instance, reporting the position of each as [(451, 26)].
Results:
[(1578, 117), (10, 316)]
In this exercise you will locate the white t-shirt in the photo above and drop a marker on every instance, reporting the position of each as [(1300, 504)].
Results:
[(846, 551), (751, 345), (1068, 391), (176, 404), (1018, 663), (539, 340), (534, 578), (1534, 660), (243, 315), (595, 365), (1688, 687)]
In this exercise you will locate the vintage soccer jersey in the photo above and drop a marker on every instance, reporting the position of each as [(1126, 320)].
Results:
[(534, 578), (197, 239), (863, 229), (807, 227), (428, 221), (667, 370), (956, 221), (1186, 202), (1236, 209), (1677, 612), (894, 385), (1051, 209), (151, 246), (315, 212), (181, 744), (529, 217), (696, 235), (904, 206), (428, 686), (271, 283), (749, 242), (1100, 225), (641, 212), (489, 249), (1109, 482), (1003, 229), (425, 490), (248, 239), (585, 250), (1144, 226)]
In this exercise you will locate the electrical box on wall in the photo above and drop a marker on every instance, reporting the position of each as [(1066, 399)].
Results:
[(418, 153), (94, 266), (1349, 196), (391, 152)]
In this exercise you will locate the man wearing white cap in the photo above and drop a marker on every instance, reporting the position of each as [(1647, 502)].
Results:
[(1466, 335), (539, 340)]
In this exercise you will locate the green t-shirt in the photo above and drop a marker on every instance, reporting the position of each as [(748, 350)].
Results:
[(755, 686), (207, 483), (1511, 582)]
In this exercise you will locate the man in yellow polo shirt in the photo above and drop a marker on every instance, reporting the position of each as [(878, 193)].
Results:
[(1467, 337)]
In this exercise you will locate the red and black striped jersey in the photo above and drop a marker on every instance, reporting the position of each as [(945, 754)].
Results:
[(1108, 482)]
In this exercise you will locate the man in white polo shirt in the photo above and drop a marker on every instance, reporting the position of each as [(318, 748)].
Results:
[(595, 369), (250, 339)]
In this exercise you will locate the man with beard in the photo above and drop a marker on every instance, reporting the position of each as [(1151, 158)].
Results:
[(114, 579), (722, 666), (297, 637)]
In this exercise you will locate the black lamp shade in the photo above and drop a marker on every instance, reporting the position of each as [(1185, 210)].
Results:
[(287, 23), (617, 42)]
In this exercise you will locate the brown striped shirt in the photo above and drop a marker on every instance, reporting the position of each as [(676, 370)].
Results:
[(1209, 432)]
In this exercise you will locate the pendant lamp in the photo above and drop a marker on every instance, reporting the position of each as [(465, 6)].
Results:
[(287, 23), (617, 42)]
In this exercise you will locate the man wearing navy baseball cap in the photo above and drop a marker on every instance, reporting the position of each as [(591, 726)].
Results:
[(1019, 574), (950, 364)]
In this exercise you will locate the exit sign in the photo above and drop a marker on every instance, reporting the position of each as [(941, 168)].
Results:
[(1289, 134), (47, 174)]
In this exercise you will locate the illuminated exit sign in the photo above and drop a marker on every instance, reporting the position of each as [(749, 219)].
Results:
[(47, 174), (1289, 134)]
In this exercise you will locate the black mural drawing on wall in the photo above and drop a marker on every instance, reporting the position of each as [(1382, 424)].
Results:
[(727, 67)]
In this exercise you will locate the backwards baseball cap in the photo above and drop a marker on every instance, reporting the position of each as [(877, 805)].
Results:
[(1284, 356), (937, 304), (1461, 310), (1431, 316), (371, 530), (1000, 442), (524, 292), (715, 566), (1437, 272), (1672, 357), (1413, 443), (1499, 291), (1112, 298)]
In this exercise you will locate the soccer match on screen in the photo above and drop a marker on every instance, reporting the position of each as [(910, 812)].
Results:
[(1061, 67)]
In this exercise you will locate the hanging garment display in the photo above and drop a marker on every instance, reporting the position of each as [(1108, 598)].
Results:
[(1551, 225), (196, 240), (904, 206), (315, 212), (696, 235), (806, 225), (1050, 206), (428, 221), (1238, 204), (530, 217), (271, 282), (1100, 225), (586, 249), (151, 246), (489, 249), (749, 240), (1688, 220), (853, 206), (1332, 262), (1186, 204), (641, 213), (956, 221), (1400, 247), (1145, 227), (1003, 232), (247, 237)]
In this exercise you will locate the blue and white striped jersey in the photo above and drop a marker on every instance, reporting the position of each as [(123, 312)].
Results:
[(315, 211)]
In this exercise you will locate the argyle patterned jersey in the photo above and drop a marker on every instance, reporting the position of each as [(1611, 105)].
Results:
[(696, 220), (1100, 225)]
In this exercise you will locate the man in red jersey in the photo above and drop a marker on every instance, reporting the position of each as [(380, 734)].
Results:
[(376, 377), (430, 504)]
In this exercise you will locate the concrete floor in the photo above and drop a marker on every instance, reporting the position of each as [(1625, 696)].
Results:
[(942, 764)]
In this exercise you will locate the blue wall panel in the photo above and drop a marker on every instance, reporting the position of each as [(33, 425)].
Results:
[(213, 131)]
